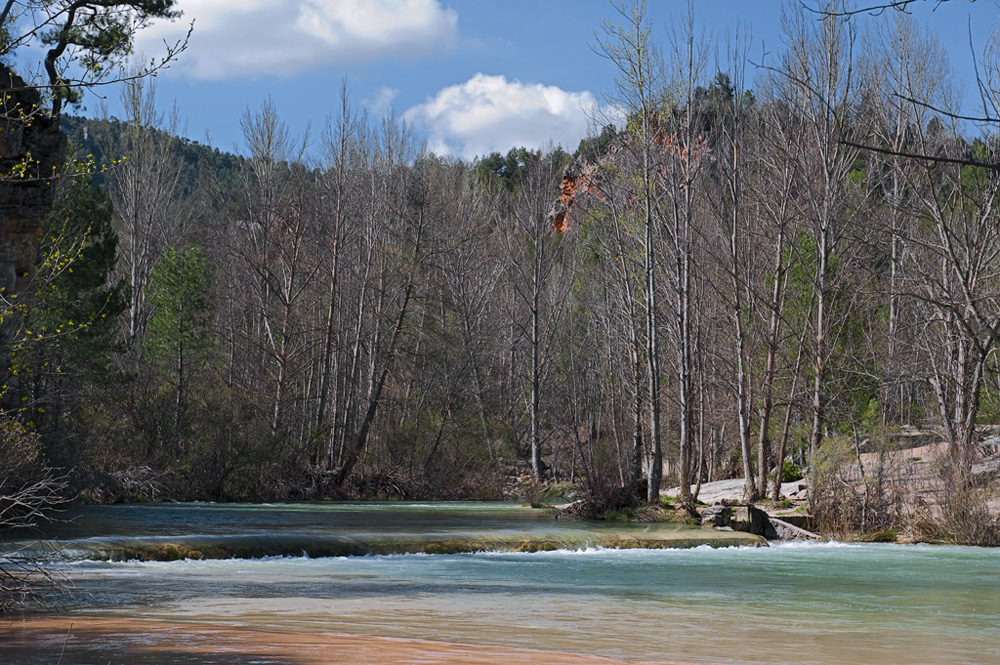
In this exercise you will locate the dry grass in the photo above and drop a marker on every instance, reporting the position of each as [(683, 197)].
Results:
[(911, 490)]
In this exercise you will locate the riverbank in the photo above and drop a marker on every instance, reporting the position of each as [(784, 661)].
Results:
[(901, 492), (78, 640)]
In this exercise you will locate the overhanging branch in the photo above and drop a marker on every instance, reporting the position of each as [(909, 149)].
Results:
[(875, 9), (921, 157)]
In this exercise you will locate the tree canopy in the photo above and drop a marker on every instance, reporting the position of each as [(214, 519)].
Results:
[(88, 42)]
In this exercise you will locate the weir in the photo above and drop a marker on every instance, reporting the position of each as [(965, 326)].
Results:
[(317, 546), (207, 531)]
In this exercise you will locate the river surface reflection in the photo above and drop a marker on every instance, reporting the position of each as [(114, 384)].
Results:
[(790, 603)]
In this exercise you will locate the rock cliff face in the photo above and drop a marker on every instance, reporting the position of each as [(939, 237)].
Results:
[(577, 183), (581, 180), (32, 152), (578, 187)]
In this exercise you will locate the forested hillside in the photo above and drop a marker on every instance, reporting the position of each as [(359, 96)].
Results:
[(734, 278)]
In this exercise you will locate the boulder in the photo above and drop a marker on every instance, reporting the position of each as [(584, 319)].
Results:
[(751, 519), (717, 515)]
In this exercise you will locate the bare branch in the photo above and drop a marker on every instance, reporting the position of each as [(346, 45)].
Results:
[(874, 10), (918, 156), (948, 114)]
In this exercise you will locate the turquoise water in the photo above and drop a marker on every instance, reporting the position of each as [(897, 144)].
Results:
[(226, 531), (790, 603)]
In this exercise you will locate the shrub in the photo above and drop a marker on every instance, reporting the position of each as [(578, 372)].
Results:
[(848, 497), (965, 515), (29, 490), (790, 472)]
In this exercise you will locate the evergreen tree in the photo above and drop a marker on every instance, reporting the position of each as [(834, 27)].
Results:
[(67, 315), (179, 335)]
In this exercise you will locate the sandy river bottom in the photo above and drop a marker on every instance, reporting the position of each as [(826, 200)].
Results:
[(88, 641)]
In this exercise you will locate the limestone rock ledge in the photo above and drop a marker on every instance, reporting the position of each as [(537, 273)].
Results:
[(32, 153)]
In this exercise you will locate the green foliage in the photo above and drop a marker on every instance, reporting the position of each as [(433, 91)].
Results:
[(507, 171), (177, 343), (626, 514), (92, 39), (67, 318), (790, 472), (80, 302), (204, 171), (106, 30), (717, 103), (989, 398), (720, 92), (179, 291), (104, 34), (852, 391), (871, 415), (593, 148)]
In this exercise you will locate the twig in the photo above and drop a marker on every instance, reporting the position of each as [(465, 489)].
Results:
[(876, 10), (929, 158), (63, 652)]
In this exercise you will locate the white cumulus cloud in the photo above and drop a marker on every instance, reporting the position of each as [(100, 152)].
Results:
[(490, 113), (279, 37)]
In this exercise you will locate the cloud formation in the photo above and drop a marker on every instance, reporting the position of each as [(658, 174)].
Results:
[(381, 101), (490, 113), (235, 38)]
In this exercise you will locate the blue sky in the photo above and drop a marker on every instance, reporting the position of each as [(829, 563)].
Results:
[(470, 76)]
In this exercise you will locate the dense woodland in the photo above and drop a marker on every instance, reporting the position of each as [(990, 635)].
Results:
[(745, 272)]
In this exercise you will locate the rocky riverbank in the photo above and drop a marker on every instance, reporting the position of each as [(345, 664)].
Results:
[(896, 493)]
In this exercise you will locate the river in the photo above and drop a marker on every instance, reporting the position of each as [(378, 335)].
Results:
[(796, 602)]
